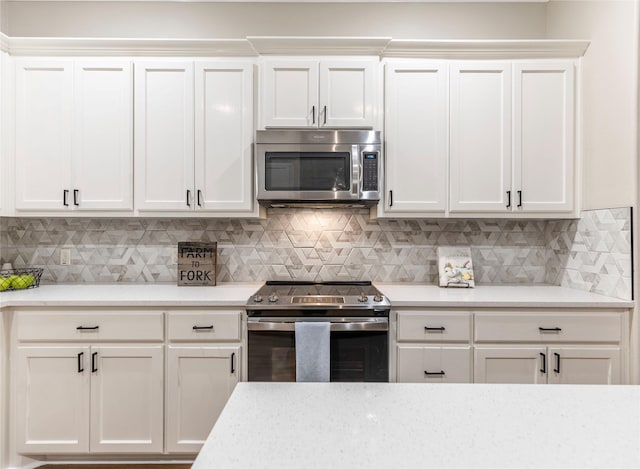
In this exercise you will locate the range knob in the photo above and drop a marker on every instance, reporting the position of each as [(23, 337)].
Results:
[(362, 298), (257, 299), (378, 297), (273, 298)]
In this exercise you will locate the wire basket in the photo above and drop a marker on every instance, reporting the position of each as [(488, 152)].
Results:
[(20, 279)]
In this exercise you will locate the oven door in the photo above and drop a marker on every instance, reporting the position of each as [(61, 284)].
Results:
[(310, 172), (359, 350)]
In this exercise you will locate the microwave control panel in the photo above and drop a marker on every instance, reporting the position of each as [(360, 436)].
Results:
[(370, 171)]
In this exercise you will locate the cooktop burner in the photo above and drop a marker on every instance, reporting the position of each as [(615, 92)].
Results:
[(304, 295)]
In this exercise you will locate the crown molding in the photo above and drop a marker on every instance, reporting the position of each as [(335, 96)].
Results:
[(30, 46), (314, 45), (253, 46), (485, 49)]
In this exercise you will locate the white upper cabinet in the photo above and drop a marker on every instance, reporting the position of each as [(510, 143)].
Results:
[(480, 136), (416, 137), (44, 91), (194, 134), (319, 93), (543, 139), (224, 136), (512, 137), (164, 137), (81, 115)]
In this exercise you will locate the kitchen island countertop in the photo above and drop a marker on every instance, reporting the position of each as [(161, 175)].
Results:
[(383, 425)]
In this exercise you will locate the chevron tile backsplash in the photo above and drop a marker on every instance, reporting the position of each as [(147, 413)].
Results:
[(312, 244)]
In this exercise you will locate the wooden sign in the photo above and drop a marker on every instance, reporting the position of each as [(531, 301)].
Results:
[(197, 264)]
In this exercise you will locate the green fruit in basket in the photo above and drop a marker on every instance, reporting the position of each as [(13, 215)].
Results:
[(13, 279), (22, 281), (5, 283)]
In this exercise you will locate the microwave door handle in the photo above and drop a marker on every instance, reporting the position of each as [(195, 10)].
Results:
[(356, 183)]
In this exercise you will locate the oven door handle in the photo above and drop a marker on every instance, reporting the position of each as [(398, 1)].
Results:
[(355, 325)]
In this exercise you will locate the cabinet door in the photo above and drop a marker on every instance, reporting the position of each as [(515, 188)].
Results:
[(586, 365), (543, 109), (480, 158), (434, 364), (416, 137), (290, 93), (348, 93), (199, 382), (43, 134), (126, 399), (521, 365), (52, 399), (103, 139), (224, 136), (164, 136)]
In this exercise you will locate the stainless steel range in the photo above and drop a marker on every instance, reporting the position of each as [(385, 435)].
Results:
[(359, 322)]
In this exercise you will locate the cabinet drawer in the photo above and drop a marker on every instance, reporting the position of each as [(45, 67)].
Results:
[(537, 327), (203, 325), (427, 326), (433, 364), (78, 326)]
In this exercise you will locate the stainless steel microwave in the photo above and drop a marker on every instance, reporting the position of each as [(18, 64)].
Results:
[(318, 167)]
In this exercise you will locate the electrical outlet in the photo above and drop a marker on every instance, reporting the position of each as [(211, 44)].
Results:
[(65, 256)]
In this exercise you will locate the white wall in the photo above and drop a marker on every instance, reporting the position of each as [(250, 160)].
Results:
[(610, 94), (238, 20)]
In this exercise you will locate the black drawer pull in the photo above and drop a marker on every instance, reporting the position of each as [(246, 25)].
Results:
[(233, 362), (557, 368), (438, 329), (80, 360), (508, 199), (434, 373), (65, 193), (76, 192), (87, 328), (203, 328), (544, 363), (549, 329), (94, 362)]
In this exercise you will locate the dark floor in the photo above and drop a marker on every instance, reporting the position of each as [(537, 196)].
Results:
[(115, 466)]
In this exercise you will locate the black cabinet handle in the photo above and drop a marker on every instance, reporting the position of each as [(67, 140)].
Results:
[(325, 115), (557, 368), (188, 198), (65, 194), (94, 362), (434, 373), (80, 360), (439, 329), (87, 328), (313, 114), (203, 328), (549, 329), (390, 198), (76, 192), (199, 197), (544, 363), (519, 199), (508, 199), (233, 362)]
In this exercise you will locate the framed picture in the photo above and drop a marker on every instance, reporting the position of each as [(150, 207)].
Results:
[(455, 268)]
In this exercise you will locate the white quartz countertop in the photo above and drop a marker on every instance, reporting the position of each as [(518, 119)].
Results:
[(225, 294), (517, 296), (389, 425), (237, 294)]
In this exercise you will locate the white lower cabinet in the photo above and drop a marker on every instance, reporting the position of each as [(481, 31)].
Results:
[(200, 379), (79, 399), (538, 347), (77, 391), (434, 347), (203, 367)]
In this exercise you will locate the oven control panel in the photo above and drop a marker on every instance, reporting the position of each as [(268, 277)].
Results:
[(370, 171)]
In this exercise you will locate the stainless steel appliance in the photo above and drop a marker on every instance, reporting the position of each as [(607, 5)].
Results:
[(318, 167), (359, 337)]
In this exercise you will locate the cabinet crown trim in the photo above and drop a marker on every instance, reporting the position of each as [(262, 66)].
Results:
[(253, 46)]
